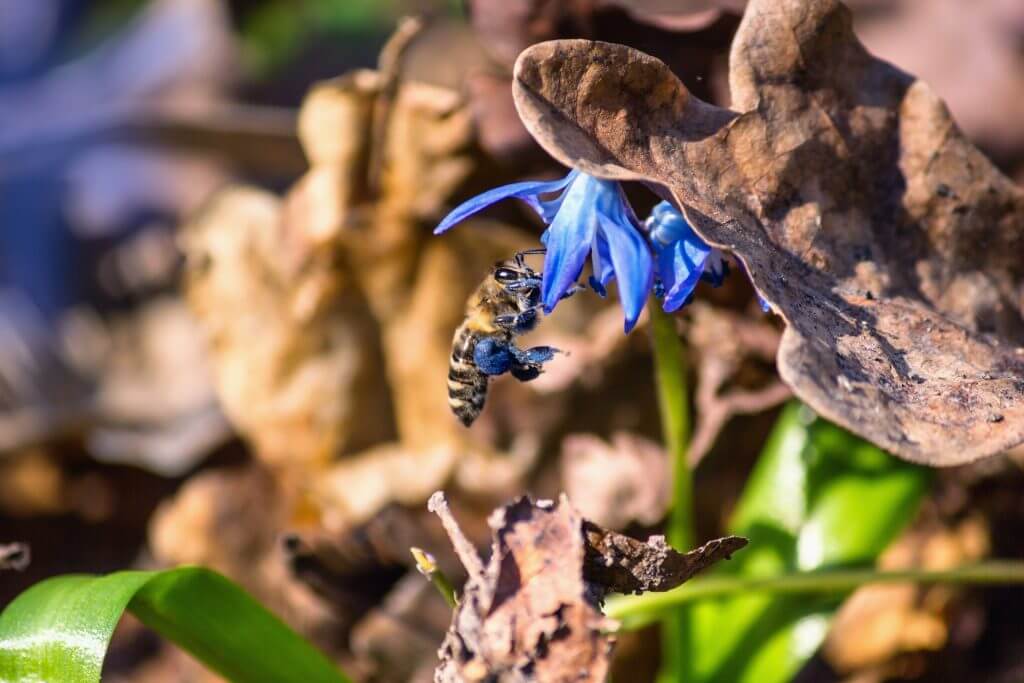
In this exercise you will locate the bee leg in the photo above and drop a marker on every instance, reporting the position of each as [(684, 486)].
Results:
[(569, 292), (525, 373), (519, 323), (527, 364), (573, 290), (524, 284), (536, 355), (493, 356)]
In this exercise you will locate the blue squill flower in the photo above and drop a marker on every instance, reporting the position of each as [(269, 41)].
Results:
[(589, 217), (682, 257)]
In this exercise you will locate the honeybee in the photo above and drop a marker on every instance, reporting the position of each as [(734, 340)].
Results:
[(503, 307)]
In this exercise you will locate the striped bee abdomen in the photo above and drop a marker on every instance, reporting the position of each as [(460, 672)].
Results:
[(467, 386)]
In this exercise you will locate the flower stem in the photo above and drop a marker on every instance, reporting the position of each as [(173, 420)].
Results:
[(637, 611), (673, 405), (427, 566)]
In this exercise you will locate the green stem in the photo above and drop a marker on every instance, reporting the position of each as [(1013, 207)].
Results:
[(670, 376), (673, 404), (637, 611), (427, 566)]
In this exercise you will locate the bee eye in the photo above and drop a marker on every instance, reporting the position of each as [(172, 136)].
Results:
[(505, 275)]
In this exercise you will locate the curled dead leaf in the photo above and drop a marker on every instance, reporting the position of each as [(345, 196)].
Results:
[(531, 612), (887, 242), (526, 614), (620, 564)]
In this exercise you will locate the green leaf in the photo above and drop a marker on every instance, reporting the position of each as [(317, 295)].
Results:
[(819, 498), (59, 629)]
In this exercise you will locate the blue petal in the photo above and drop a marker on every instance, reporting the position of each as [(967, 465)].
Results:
[(549, 208), (568, 244), (667, 225), (568, 241), (527, 191), (631, 260), (601, 263), (680, 266), (663, 209)]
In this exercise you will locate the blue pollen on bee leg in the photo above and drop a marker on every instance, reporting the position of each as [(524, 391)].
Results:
[(492, 357), (535, 355)]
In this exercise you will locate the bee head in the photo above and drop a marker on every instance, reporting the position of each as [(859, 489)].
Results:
[(506, 274)]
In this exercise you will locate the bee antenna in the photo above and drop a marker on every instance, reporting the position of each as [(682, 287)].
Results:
[(528, 252)]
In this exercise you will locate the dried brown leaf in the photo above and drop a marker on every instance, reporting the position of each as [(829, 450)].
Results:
[(229, 520), (525, 615), (620, 564), (531, 613), (292, 342), (888, 243), (330, 312)]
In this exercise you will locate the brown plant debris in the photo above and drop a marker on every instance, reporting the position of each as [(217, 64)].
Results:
[(620, 564), (353, 569), (14, 556), (879, 623), (397, 639), (229, 520), (726, 342), (889, 244), (617, 482), (532, 612)]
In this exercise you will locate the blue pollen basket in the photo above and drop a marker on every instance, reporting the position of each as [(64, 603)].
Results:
[(492, 356), (496, 357)]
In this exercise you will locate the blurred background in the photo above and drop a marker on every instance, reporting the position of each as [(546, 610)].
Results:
[(224, 329)]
